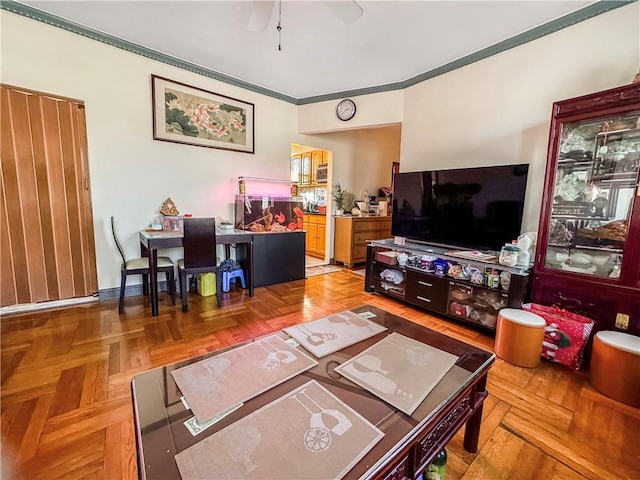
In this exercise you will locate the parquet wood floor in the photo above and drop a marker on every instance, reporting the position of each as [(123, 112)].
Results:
[(66, 373)]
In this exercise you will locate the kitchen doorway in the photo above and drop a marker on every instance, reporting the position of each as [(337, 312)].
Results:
[(310, 169)]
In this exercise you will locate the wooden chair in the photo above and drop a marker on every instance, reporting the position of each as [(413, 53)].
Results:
[(140, 266), (200, 256)]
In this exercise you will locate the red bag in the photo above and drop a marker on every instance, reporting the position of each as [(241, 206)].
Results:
[(565, 335)]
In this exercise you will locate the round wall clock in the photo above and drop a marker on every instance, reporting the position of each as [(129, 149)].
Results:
[(346, 109)]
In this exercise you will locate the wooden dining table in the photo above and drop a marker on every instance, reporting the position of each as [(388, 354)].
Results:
[(151, 241)]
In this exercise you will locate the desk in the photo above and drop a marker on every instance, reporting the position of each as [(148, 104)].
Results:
[(409, 444), (150, 242)]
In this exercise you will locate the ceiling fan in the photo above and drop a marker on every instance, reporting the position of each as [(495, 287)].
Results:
[(346, 10)]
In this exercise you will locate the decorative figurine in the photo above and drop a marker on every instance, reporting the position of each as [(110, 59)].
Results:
[(169, 208)]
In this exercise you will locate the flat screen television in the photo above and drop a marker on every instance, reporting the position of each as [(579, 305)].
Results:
[(476, 208)]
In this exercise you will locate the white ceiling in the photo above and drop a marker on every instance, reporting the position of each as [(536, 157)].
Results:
[(393, 41)]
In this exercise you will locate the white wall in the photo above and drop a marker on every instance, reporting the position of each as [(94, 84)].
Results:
[(494, 111), (497, 111), (132, 174), (377, 109)]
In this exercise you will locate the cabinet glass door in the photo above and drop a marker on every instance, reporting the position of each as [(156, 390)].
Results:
[(296, 166), (305, 176), (596, 181)]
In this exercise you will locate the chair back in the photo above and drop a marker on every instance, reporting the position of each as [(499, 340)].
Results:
[(199, 243), (115, 239)]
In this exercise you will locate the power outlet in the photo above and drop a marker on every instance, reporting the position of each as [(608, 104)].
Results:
[(622, 321)]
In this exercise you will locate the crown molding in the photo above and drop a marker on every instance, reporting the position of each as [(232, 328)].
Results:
[(568, 20), (55, 21)]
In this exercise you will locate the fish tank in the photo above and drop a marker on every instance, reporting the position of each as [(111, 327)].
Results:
[(268, 213)]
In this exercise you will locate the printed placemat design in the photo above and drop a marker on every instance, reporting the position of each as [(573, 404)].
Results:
[(216, 384), (306, 434), (399, 370), (334, 332)]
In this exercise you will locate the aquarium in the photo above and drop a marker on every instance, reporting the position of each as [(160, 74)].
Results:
[(268, 213)]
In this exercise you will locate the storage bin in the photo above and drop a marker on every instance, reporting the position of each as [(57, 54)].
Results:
[(390, 258), (206, 284), (565, 336), (173, 223)]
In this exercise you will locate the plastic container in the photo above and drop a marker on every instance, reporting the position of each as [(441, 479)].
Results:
[(509, 255), (206, 284)]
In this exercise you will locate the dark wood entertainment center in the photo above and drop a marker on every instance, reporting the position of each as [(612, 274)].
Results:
[(471, 302)]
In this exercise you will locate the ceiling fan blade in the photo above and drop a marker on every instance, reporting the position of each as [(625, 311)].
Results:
[(348, 11), (260, 15)]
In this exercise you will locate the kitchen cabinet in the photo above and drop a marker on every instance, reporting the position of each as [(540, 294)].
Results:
[(587, 257), (317, 158), (304, 168), (316, 228), (296, 168), (351, 236)]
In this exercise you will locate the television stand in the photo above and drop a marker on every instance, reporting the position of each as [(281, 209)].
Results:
[(464, 285)]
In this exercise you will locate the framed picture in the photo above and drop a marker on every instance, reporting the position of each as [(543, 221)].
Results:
[(186, 114)]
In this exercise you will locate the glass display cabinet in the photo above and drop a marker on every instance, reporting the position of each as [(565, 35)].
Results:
[(588, 251)]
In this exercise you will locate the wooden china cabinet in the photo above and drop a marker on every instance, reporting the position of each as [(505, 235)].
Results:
[(588, 251)]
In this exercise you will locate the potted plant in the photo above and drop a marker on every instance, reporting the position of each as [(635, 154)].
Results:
[(338, 195), (226, 225)]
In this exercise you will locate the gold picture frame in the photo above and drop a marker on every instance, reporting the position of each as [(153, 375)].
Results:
[(193, 116)]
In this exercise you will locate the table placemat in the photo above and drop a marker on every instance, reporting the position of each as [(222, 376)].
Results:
[(333, 332), (306, 434), (216, 384), (399, 370)]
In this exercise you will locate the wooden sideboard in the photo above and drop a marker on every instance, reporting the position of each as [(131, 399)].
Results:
[(352, 234)]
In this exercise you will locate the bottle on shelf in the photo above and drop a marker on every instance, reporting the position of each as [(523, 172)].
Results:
[(437, 469)]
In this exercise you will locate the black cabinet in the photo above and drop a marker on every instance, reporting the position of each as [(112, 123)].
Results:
[(475, 300), (428, 291), (278, 257)]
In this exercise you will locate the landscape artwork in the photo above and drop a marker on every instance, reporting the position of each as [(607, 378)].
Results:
[(186, 114)]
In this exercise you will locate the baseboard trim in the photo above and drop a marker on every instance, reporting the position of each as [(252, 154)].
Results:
[(129, 291), (30, 307), (102, 295)]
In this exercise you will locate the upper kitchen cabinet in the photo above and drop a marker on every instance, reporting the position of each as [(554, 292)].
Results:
[(305, 172), (588, 251), (296, 168), (310, 168), (317, 159)]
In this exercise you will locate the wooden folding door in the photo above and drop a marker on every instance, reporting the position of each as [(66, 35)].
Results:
[(47, 245)]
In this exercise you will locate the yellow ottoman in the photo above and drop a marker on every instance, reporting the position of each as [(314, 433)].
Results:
[(615, 366), (519, 337)]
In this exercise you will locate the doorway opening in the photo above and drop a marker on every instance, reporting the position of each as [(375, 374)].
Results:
[(310, 170)]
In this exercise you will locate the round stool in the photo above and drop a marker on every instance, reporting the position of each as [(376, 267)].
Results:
[(615, 366), (519, 336)]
